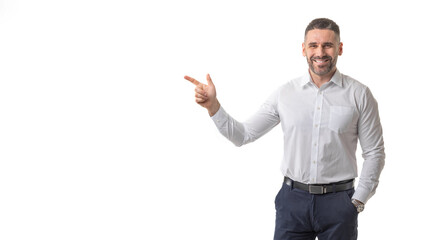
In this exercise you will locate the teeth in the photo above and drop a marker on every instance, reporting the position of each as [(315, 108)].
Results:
[(319, 61)]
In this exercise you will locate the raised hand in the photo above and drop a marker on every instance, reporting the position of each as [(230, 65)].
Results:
[(205, 95)]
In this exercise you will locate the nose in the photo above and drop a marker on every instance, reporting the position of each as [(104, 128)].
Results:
[(320, 51)]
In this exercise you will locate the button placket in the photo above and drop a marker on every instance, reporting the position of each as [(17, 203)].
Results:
[(315, 136)]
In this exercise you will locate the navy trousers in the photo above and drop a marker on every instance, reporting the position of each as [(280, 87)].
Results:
[(302, 216)]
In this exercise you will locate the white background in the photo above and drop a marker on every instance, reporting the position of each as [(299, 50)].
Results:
[(100, 137)]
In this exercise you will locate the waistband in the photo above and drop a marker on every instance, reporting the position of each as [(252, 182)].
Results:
[(321, 188)]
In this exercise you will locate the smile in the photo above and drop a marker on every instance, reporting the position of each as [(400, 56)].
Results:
[(320, 61)]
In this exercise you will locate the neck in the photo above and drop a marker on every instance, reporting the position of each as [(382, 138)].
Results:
[(319, 80)]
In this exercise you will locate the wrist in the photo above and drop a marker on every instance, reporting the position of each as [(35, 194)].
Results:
[(358, 205), (214, 108)]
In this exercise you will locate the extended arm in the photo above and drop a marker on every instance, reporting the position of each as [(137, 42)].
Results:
[(239, 133)]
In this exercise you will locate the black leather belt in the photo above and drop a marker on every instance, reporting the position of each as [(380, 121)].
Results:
[(320, 188)]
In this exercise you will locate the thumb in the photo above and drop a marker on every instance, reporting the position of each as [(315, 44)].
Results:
[(209, 80)]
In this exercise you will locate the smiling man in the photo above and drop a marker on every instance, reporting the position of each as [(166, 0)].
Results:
[(321, 48), (323, 114)]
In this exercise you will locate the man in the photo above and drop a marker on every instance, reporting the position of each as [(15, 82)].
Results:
[(323, 114)]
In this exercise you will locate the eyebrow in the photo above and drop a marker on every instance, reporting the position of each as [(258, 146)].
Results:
[(326, 43)]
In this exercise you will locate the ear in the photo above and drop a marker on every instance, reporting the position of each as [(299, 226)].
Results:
[(303, 49), (340, 49)]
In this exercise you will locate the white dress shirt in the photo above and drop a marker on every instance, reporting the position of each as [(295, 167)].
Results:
[(321, 128)]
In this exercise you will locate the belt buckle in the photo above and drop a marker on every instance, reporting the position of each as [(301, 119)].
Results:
[(317, 189)]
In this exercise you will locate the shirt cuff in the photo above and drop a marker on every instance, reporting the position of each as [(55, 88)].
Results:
[(361, 195), (220, 116)]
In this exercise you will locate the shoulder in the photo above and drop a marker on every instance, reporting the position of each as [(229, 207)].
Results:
[(351, 82), (360, 91), (293, 84), (284, 90), (354, 86)]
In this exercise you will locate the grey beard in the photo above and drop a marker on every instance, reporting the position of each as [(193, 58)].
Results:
[(325, 71)]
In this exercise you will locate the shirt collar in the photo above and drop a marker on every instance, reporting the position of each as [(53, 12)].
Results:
[(336, 79)]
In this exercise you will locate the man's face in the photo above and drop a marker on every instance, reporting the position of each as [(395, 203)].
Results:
[(321, 49)]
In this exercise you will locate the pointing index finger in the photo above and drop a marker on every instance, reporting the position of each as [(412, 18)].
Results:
[(195, 82)]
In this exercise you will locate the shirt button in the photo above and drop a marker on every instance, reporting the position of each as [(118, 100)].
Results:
[(315, 144), (318, 108), (316, 125), (314, 162)]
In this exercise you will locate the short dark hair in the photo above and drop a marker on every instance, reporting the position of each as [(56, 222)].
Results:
[(323, 23)]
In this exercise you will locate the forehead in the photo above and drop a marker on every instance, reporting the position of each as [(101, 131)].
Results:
[(320, 36)]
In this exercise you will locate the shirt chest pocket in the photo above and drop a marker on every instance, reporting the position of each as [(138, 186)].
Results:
[(341, 118)]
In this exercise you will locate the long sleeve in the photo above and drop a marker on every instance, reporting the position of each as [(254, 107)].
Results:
[(260, 123), (371, 140)]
